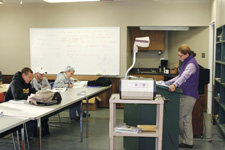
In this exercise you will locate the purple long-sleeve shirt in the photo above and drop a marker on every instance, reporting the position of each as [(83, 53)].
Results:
[(178, 81)]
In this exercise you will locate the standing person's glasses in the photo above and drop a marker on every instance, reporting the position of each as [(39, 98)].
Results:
[(180, 56)]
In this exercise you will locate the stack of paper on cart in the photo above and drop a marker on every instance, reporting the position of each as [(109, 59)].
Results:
[(123, 128)]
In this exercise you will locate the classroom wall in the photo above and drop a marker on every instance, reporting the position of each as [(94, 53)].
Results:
[(198, 40), (220, 11), (213, 10), (17, 19)]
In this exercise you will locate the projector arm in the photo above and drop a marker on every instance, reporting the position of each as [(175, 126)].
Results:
[(135, 50), (141, 42)]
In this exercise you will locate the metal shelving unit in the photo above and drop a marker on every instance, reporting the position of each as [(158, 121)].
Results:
[(159, 121), (219, 89)]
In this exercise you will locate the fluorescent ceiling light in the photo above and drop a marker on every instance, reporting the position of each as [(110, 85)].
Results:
[(68, 1), (1, 2), (166, 28)]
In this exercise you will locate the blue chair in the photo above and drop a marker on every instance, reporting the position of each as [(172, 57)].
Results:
[(51, 83)]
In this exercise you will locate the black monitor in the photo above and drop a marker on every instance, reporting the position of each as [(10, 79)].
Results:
[(0, 76), (203, 78)]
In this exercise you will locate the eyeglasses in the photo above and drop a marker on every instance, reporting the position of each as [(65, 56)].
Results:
[(180, 56)]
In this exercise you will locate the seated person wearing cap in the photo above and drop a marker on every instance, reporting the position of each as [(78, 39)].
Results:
[(39, 81), (64, 80)]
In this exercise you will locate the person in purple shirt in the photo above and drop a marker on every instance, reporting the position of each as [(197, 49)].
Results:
[(187, 80)]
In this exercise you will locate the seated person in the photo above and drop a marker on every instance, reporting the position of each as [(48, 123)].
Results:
[(19, 89), (64, 80), (39, 81)]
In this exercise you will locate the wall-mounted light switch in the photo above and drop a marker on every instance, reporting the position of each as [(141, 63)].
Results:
[(203, 55)]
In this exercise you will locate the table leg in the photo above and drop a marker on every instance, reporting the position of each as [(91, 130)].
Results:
[(87, 117), (39, 133), (26, 136), (22, 138), (14, 145), (81, 124), (18, 139)]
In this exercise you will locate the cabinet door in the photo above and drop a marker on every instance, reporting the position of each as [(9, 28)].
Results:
[(157, 38)]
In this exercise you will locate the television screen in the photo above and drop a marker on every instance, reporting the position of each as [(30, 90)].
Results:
[(203, 79), (0, 76)]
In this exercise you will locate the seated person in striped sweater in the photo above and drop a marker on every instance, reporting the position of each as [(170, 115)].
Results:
[(40, 82)]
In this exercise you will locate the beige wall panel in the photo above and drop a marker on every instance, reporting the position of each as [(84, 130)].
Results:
[(196, 38), (212, 10), (17, 19), (220, 13)]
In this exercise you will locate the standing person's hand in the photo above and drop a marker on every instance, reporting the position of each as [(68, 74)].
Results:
[(172, 88)]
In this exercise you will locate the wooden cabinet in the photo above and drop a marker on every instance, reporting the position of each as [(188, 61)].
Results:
[(105, 96), (157, 38), (219, 88), (155, 77), (197, 113), (197, 117)]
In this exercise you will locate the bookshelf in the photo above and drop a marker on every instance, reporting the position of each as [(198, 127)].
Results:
[(219, 88), (115, 98)]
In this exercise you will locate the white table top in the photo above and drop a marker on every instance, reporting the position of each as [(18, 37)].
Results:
[(33, 112), (9, 122), (24, 110)]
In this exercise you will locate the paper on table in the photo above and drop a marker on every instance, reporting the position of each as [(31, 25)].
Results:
[(59, 89), (73, 79), (162, 83), (80, 84), (18, 101)]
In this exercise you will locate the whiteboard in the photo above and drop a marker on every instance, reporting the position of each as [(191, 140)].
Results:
[(90, 50)]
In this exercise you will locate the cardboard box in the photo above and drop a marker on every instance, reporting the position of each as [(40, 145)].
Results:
[(92, 103)]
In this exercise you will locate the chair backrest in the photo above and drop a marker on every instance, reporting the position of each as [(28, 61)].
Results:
[(2, 97), (51, 83)]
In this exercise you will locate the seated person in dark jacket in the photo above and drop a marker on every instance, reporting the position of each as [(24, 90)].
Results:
[(19, 89)]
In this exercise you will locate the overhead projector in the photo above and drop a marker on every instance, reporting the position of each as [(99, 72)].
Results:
[(137, 88)]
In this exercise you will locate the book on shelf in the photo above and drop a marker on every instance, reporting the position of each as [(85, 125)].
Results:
[(218, 79), (123, 128), (147, 128)]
